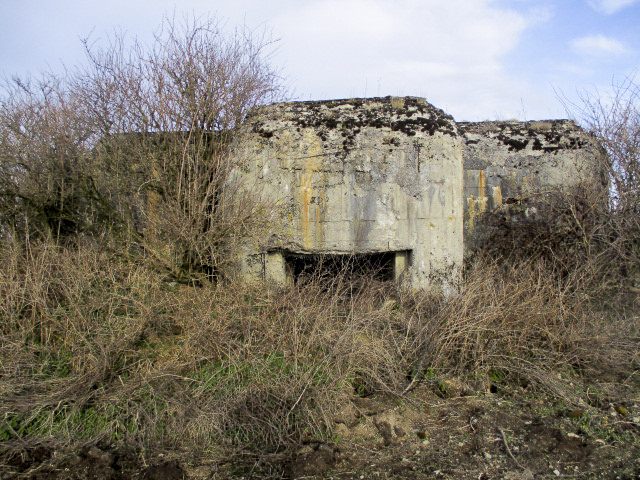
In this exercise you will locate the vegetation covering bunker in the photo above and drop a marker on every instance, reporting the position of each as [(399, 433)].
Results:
[(389, 176), (507, 163)]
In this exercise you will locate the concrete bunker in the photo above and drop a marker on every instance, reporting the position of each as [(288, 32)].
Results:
[(509, 164), (366, 179), (392, 181)]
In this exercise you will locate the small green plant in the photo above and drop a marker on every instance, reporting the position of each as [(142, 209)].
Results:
[(497, 375), (432, 376), (11, 424), (358, 385)]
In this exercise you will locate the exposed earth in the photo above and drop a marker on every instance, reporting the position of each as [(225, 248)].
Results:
[(478, 436), (440, 431)]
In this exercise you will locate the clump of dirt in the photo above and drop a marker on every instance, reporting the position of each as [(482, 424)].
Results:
[(515, 434), (89, 463)]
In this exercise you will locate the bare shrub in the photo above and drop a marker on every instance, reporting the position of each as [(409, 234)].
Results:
[(127, 357), (614, 118), (135, 145), (568, 230), (182, 97), (46, 187)]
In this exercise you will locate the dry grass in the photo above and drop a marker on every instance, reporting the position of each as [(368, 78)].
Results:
[(522, 324), (556, 292), (97, 349)]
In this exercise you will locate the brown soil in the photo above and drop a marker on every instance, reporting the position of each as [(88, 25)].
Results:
[(507, 435), (477, 437)]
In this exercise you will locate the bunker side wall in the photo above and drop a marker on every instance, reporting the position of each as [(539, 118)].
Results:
[(507, 164)]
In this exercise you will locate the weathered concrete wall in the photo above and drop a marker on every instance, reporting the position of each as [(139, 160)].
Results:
[(357, 176), (506, 163), (395, 175)]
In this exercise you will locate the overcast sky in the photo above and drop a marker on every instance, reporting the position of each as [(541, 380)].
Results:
[(476, 59)]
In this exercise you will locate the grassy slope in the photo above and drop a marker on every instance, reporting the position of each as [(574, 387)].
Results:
[(97, 350)]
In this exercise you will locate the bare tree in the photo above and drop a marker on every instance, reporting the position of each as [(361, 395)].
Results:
[(147, 130), (614, 119)]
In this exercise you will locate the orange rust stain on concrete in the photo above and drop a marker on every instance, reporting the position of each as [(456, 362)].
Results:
[(307, 192), (311, 153), (482, 182), (312, 163)]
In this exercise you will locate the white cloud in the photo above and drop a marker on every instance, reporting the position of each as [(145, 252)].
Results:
[(452, 52), (610, 6), (441, 50), (598, 46)]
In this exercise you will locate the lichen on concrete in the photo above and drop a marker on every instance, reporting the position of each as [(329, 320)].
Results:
[(509, 161), (393, 174), (360, 176)]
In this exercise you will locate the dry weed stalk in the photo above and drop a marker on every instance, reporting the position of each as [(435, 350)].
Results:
[(137, 359)]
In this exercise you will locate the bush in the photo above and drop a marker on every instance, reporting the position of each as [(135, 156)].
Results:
[(614, 119), (135, 145), (130, 359)]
